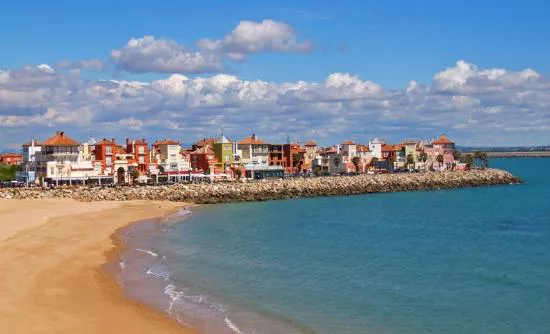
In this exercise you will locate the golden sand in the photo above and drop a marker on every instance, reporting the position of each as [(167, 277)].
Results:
[(51, 276)]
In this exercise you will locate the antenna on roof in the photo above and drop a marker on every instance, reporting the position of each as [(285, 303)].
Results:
[(287, 139)]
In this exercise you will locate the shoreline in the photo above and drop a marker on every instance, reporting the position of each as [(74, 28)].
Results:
[(54, 280)]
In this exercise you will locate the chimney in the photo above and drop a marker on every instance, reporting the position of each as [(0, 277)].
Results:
[(62, 134), (127, 141), (254, 136), (113, 140)]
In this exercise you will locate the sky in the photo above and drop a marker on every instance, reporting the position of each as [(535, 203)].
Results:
[(330, 71)]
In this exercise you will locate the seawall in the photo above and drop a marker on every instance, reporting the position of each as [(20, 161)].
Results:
[(275, 189)]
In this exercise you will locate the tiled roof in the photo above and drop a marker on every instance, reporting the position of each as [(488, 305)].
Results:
[(347, 142), (60, 139), (251, 141), (204, 150), (311, 143), (166, 142), (362, 148), (119, 150), (205, 141), (29, 143), (105, 142), (387, 148), (443, 139)]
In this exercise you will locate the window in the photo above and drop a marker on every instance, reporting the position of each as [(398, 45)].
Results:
[(141, 150), (108, 150), (141, 160), (108, 161)]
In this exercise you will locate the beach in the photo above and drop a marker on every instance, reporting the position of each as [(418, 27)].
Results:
[(53, 252)]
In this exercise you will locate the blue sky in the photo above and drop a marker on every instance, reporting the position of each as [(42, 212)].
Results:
[(388, 43)]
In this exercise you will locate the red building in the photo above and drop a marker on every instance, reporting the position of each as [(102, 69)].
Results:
[(203, 158), (11, 159), (140, 150), (277, 156), (105, 153)]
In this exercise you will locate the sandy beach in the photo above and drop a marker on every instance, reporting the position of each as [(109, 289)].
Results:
[(52, 281)]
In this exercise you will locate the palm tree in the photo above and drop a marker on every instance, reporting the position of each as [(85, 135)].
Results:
[(481, 159), (439, 159), (355, 162), (373, 161), (423, 156), (410, 159), (467, 159), (134, 174)]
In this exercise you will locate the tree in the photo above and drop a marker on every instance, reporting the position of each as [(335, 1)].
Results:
[(356, 161), (467, 159), (208, 171), (423, 157), (373, 161), (7, 172), (336, 161), (457, 155), (439, 159), (410, 159), (134, 174), (161, 170), (481, 159), (238, 173)]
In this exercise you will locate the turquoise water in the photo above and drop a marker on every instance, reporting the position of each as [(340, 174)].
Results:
[(452, 261)]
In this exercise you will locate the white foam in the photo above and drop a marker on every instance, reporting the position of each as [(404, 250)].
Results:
[(232, 326), (153, 254), (163, 275)]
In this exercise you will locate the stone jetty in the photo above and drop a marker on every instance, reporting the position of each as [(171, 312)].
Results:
[(202, 193)]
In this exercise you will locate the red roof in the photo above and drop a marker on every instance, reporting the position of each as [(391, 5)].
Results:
[(29, 143), (362, 148), (105, 142), (443, 139), (166, 142), (311, 143), (205, 141), (60, 139), (388, 148), (251, 141), (204, 150), (348, 142)]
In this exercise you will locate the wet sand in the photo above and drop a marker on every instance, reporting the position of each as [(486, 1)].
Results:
[(52, 280)]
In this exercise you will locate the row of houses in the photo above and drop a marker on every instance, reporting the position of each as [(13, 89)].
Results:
[(63, 160)]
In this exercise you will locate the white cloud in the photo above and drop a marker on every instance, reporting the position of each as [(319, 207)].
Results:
[(256, 37), (470, 104), (152, 54), (149, 54)]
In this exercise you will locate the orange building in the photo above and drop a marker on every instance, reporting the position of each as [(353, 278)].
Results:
[(105, 154), (140, 150), (11, 159)]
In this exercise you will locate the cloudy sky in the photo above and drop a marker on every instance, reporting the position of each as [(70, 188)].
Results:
[(313, 69)]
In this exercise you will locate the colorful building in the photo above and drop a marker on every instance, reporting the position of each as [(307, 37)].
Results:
[(12, 159)]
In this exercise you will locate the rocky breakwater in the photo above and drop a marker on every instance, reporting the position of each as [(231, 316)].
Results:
[(274, 189)]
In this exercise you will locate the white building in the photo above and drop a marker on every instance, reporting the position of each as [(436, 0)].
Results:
[(375, 147), (63, 160), (253, 152), (169, 157)]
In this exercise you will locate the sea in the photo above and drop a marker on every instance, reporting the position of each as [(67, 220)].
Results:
[(474, 260)]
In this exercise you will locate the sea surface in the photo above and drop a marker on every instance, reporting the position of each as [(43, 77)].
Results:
[(451, 261)]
